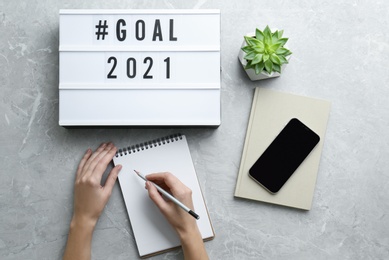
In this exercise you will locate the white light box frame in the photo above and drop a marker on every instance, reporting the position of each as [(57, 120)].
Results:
[(139, 68)]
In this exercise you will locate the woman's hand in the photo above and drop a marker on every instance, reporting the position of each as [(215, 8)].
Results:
[(184, 224), (90, 199), (177, 217)]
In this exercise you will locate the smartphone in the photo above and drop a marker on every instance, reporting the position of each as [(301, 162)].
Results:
[(284, 155)]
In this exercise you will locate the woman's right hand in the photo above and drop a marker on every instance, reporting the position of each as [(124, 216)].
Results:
[(184, 224), (181, 221)]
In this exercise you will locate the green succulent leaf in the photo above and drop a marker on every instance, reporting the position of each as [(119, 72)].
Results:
[(275, 59), (274, 37), (280, 33), (282, 41), (277, 68), (248, 66), (257, 59), (259, 35), (251, 41), (282, 51), (265, 57), (267, 31), (282, 59), (247, 49), (288, 53), (268, 35), (250, 55), (273, 48), (259, 67), (259, 44), (269, 66), (259, 49)]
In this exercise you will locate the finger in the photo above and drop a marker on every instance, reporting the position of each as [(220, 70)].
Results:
[(165, 178), (84, 159), (99, 155), (94, 154), (102, 165), (155, 196), (111, 179), (95, 158), (162, 185), (159, 179)]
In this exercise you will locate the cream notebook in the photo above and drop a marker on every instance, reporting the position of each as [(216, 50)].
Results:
[(153, 234), (270, 112)]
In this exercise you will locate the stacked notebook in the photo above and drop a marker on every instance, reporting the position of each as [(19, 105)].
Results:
[(270, 111)]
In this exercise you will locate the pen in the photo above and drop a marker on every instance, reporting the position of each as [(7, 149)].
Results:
[(170, 197)]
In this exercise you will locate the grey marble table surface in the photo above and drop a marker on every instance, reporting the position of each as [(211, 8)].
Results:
[(340, 54)]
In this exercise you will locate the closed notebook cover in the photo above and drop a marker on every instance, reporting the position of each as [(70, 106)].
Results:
[(152, 232), (271, 111)]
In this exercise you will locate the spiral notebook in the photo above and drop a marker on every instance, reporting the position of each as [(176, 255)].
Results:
[(153, 234)]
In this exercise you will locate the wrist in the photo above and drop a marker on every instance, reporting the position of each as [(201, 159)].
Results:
[(189, 234), (192, 244), (82, 224), (79, 239)]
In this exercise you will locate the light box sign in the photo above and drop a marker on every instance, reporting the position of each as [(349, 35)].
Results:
[(139, 67)]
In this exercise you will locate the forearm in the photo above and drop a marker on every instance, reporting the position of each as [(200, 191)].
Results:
[(79, 241), (193, 245)]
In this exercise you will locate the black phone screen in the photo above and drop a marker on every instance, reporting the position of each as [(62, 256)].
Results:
[(284, 155)]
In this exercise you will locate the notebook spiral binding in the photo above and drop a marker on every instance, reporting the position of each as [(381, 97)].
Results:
[(148, 145)]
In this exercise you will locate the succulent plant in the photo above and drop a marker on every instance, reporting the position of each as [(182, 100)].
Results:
[(265, 51)]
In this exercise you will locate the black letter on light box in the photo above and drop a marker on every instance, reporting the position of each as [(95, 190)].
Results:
[(120, 34), (157, 30), (142, 36), (171, 31)]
